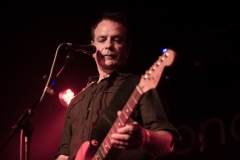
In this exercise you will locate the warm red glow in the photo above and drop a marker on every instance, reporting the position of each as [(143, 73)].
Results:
[(65, 97)]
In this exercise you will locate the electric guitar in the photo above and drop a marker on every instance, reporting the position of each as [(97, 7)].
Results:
[(148, 81)]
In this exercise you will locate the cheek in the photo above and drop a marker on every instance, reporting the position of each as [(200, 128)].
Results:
[(97, 56)]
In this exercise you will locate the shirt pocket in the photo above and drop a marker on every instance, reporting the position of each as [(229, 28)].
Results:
[(77, 108)]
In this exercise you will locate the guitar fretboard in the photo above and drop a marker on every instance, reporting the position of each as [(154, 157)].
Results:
[(120, 122)]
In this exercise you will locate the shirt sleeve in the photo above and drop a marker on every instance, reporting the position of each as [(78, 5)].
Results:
[(153, 114), (64, 146)]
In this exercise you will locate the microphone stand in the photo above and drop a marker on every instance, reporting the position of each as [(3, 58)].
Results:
[(23, 124)]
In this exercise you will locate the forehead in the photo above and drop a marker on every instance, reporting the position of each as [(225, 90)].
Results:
[(108, 28)]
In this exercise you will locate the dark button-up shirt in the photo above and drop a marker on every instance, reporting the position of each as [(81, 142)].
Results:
[(86, 108)]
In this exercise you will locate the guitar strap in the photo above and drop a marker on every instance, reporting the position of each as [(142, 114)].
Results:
[(109, 116)]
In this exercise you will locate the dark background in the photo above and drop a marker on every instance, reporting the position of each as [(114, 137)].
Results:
[(203, 83)]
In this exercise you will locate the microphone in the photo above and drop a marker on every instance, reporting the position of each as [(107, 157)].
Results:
[(87, 49)]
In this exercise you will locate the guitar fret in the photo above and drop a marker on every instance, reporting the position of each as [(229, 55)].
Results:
[(139, 90), (108, 140), (122, 117), (97, 156), (129, 107), (101, 152), (106, 145), (105, 150), (115, 127), (124, 113), (111, 131), (120, 121), (135, 101)]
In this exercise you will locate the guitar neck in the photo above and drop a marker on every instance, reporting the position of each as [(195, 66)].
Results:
[(121, 121)]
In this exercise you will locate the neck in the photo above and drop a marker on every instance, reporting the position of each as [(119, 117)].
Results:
[(104, 74)]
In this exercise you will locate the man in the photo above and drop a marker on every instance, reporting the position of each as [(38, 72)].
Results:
[(150, 135)]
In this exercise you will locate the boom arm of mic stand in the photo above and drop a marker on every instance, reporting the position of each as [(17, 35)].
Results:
[(23, 121)]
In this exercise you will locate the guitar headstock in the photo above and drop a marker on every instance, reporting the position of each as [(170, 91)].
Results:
[(152, 76)]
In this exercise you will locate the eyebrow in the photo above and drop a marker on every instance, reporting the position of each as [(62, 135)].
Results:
[(115, 36)]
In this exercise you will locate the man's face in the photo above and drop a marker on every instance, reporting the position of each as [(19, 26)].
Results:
[(112, 48)]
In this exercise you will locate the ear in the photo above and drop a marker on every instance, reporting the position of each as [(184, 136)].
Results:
[(93, 55)]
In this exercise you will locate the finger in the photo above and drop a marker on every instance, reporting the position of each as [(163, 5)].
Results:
[(119, 113), (121, 137), (119, 141), (129, 144), (130, 121), (126, 129), (134, 128)]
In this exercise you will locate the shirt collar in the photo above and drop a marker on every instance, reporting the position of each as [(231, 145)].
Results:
[(94, 79)]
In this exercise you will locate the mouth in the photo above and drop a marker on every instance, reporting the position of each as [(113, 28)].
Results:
[(109, 56)]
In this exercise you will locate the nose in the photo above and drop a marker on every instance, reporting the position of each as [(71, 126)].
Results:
[(109, 44)]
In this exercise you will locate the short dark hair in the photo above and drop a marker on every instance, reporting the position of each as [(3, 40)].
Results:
[(117, 17)]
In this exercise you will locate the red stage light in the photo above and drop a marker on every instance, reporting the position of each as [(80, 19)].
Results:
[(65, 97)]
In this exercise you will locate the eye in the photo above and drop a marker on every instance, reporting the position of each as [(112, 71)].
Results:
[(118, 39), (101, 39)]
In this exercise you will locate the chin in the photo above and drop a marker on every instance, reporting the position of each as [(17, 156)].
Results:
[(111, 64), (115, 66)]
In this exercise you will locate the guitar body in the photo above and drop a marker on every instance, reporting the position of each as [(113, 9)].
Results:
[(85, 153)]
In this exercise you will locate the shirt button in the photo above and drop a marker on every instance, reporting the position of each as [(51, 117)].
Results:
[(89, 108)]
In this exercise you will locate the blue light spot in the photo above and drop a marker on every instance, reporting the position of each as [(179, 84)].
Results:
[(53, 82), (164, 50)]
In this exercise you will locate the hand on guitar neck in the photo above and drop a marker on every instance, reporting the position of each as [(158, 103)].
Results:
[(131, 136)]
